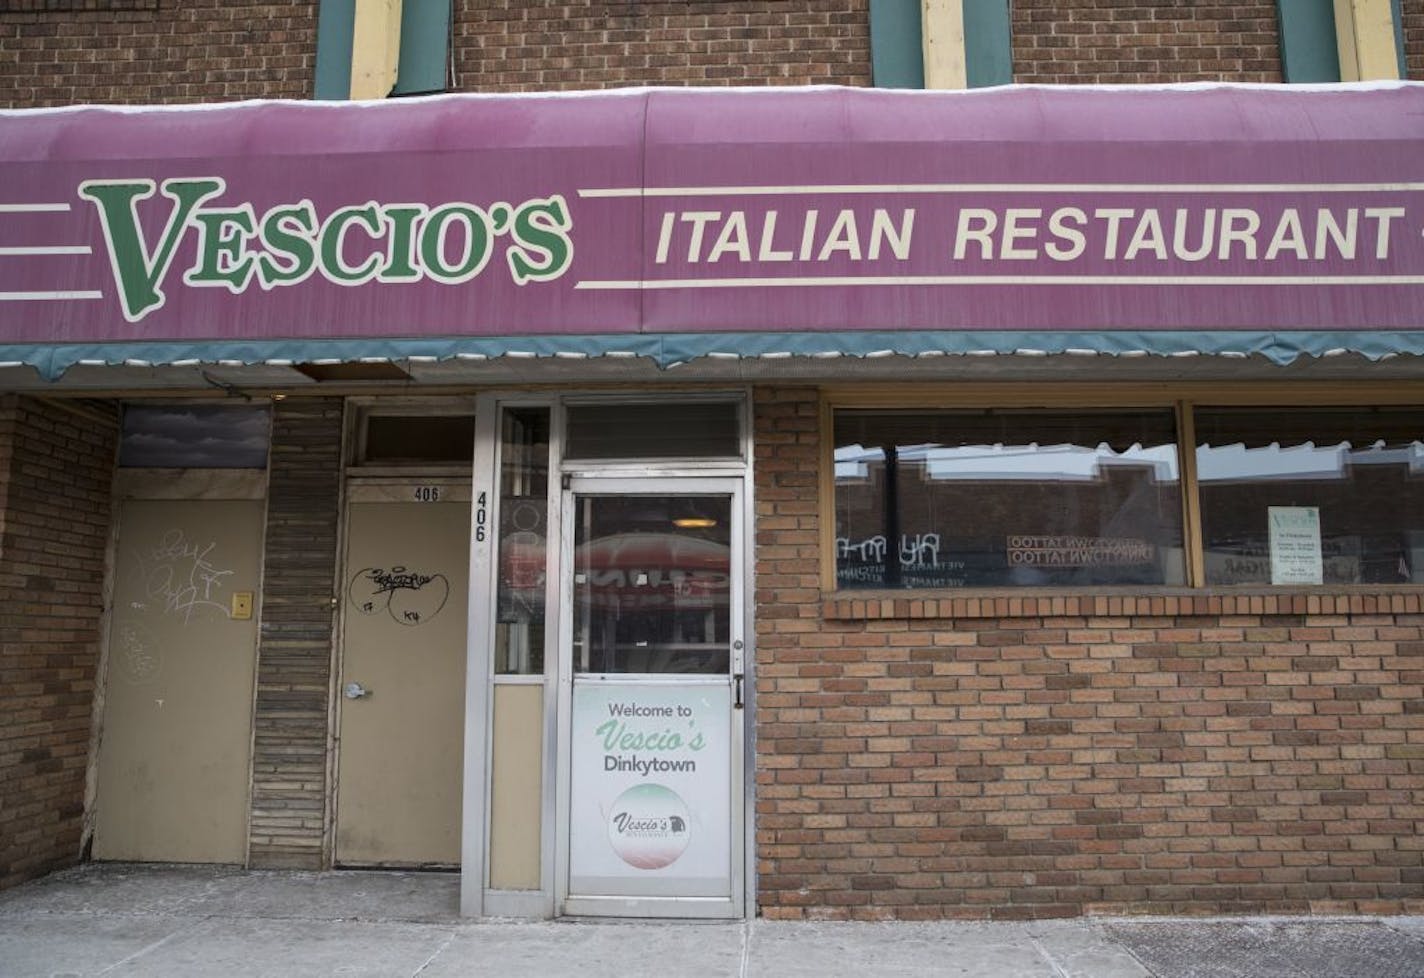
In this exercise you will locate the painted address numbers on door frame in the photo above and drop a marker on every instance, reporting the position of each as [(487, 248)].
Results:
[(431, 494)]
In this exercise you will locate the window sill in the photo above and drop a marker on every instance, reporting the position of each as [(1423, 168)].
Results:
[(1160, 602)]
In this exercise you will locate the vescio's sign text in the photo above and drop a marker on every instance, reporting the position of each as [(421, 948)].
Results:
[(448, 243)]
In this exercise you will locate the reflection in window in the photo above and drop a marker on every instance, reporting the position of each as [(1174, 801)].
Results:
[(652, 584), (1317, 496), (1006, 498), (523, 523)]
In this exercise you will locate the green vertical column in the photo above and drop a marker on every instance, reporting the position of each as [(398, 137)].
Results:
[(897, 57), (1309, 49), (424, 47), (335, 30), (1396, 12), (988, 43)]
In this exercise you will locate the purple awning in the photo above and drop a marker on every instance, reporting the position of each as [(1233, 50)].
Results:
[(1169, 219)]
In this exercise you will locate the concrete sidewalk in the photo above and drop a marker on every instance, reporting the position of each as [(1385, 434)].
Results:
[(198, 921)]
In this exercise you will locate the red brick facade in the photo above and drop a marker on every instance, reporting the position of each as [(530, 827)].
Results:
[(1057, 756), (55, 473), (1108, 42)]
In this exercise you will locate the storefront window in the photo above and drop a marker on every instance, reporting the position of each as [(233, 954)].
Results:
[(1318, 496), (523, 522), (1007, 498)]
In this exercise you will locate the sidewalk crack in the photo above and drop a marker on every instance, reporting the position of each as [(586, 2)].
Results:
[(449, 937), (198, 922), (1058, 971)]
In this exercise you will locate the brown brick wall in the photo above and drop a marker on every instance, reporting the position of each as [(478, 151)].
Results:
[(1122, 758), (56, 469), (1134, 41), (167, 51), (290, 746), (58, 52), (132, 51), (1412, 18), (557, 45)]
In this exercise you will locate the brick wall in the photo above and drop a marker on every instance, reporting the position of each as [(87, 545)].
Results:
[(1052, 757), (290, 727), (556, 45), (58, 52), (138, 51), (1412, 18), (1119, 41), (55, 473)]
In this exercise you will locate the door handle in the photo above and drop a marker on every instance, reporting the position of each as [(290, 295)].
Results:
[(737, 677), (355, 691)]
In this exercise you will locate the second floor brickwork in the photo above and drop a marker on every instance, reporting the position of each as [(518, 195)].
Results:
[(65, 52)]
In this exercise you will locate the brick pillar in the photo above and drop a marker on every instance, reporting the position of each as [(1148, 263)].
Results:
[(291, 736), (791, 642), (56, 472)]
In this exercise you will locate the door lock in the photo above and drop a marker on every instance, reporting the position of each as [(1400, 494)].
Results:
[(355, 691)]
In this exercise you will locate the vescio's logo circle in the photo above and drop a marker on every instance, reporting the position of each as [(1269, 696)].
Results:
[(649, 826)]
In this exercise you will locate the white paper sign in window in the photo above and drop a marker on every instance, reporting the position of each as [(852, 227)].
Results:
[(1295, 545)]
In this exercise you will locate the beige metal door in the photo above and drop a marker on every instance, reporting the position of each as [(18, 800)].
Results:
[(403, 680), (174, 751)]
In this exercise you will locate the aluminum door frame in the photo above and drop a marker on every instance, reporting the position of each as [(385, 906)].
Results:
[(656, 483), (476, 898)]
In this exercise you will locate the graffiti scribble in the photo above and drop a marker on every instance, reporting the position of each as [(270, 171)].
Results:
[(136, 652), (410, 597), (181, 576), (397, 578)]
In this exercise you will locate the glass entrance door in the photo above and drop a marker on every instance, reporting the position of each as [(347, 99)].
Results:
[(654, 654)]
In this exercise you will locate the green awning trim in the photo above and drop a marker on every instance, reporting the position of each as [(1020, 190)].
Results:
[(670, 349)]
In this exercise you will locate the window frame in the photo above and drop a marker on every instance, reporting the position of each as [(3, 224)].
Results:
[(737, 401), (1182, 398), (360, 409)]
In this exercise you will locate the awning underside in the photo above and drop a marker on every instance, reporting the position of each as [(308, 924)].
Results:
[(535, 358)]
